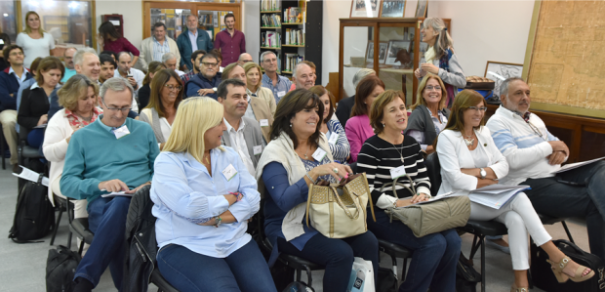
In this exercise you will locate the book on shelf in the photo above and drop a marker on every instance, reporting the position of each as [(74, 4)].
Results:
[(294, 37), (271, 39), (270, 5), (271, 20), (292, 59), (293, 15)]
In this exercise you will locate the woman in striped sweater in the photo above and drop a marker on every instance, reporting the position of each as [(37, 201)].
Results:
[(435, 256)]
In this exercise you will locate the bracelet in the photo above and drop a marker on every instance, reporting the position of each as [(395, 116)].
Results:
[(217, 221), (310, 178), (238, 196)]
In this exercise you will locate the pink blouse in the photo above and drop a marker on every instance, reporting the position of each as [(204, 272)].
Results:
[(358, 130), (120, 45)]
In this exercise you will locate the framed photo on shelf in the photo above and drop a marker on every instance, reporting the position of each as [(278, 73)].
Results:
[(421, 8), (382, 53), (392, 8), (365, 8), (400, 53), (499, 71)]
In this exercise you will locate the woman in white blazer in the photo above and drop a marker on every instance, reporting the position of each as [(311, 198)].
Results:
[(470, 160)]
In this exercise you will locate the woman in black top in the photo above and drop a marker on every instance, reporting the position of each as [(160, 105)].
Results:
[(35, 100), (145, 91), (435, 255)]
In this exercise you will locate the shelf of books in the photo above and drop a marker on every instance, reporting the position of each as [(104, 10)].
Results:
[(284, 24)]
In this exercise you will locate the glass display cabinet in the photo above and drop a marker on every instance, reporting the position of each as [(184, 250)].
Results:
[(390, 46)]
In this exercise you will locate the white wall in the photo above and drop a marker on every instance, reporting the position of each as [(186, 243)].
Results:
[(132, 12), (251, 27)]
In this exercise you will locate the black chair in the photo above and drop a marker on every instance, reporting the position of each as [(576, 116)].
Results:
[(62, 204), (396, 251), (2, 150), (79, 227)]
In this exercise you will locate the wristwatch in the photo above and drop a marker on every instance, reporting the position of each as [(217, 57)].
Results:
[(218, 220), (215, 89), (483, 173)]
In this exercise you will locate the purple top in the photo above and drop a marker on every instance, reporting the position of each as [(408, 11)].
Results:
[(120, 45), (358, 130), (231, 47)]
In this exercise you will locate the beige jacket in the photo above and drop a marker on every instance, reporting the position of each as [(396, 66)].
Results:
[(147, 51), (262, 112)]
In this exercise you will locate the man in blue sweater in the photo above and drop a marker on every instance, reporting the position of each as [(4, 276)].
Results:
[(10, 80), (206, 82), (113, 154)]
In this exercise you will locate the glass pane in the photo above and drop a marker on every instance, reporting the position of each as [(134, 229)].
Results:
[(396, 59), (8, 25), (69, 22), (212, 21), (358, 52), (174, 19)]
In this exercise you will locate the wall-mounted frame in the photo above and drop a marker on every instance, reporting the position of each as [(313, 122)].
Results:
[(392, 8), (365, 8), (382, 52), (421, 8), (400, 53), (498, 71)]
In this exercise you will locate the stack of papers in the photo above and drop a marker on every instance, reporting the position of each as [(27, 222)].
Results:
[(433, 199), (571, 166), (116, 194), (496, 196), (30, 175)]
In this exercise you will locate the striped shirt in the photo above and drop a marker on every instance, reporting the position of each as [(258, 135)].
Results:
[(377, 157), (160, 49), (341, 149)]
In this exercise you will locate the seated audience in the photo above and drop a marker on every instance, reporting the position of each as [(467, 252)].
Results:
[(278, 84), (244, 58), (5, 40), (206, 82), (79, 98), (258, 109), (219, 56), (68, 62), (113, 55), (145, 91), (243, 134), (170, 60), (113, 154), (196, 59), (471, 160), (108, 67), (125, 70), (254, 86), (435, 256), (339, 145), (155, 46), (33, 110), (358, 128), (201, 230), (345, 105), (533, 154), (429, 114), (111, 40), (303, 76), (27, 84), (10, 80), (285, 171), (166, 95)]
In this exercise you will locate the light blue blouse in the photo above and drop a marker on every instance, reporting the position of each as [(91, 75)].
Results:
[(184, 194)]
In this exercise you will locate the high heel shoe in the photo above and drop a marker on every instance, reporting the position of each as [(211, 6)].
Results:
[(557, 269), (515, 289)]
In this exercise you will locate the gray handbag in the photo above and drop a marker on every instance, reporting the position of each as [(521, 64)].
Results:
[(431, 217)]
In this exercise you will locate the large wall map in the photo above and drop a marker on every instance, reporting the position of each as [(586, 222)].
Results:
[(568, 60)]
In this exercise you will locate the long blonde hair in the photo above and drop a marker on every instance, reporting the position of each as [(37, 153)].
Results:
[(28, 29), (195, 116)]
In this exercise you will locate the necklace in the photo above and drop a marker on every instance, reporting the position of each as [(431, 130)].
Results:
[(469, 140), (398, 151)]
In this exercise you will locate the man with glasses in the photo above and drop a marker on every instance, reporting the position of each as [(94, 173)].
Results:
[(154, 47), (244, 58), (196, 60), (10, 80), (68, 60), (113, 154), (206, 82), (191, 40), (279, 85), (534, 155)]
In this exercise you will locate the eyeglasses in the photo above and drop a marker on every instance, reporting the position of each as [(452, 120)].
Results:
[(209, 64), (429, 87), (116, 109), (172, 87), (477, 108)]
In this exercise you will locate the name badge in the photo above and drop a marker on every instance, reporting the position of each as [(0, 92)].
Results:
[(258, 149), (319, 154), (121, 132), (281, 94), (397, 172), (333, 139), (264, 123), (229, 172)]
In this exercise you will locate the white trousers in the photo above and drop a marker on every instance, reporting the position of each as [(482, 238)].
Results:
[(519, 217), (79, 205)]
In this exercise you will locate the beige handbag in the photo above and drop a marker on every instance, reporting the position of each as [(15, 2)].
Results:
[(339, 211), (433, 217)]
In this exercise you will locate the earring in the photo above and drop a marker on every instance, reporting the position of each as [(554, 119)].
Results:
[(383, 125), (290, 125)]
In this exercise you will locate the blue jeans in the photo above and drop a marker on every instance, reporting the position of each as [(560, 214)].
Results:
[(243, 270), (107, 220), (337, 255), (434, 259), (575, 193)]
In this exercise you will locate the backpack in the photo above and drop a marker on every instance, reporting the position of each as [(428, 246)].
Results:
[(60, 269), (34, 215), (298, 287), (544, 279), (466, 277)]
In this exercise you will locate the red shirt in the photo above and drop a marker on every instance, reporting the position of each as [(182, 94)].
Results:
[(120, 45), (231, 47)]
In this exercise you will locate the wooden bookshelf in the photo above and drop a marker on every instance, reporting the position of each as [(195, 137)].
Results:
[(270, 12), (291, 23), (294, 46), (270, 27), (270, 48)]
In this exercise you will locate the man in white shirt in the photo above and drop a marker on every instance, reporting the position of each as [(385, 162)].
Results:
[(154, 47), (243, 134), (303, 76), (170, 60), (135, 76), (534, 154)]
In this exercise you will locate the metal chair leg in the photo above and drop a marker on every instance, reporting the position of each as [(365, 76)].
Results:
[(309, 277), (403, 272), (482, 243), (52, 239), (567, 231)]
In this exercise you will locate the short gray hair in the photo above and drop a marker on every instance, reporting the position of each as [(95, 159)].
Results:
[(262, 56), (505, 83), (240, 56), (361, 74), (122, 53), (117, 84), (79, 55), (69, 49), (168, 56), (296, 68)]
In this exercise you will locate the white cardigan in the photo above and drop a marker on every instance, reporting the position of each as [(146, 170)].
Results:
[(454, 155)]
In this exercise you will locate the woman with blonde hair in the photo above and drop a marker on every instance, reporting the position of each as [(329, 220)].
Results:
[(145, 91), (254, 86), (203, 198), (78, 97), (34, 40)]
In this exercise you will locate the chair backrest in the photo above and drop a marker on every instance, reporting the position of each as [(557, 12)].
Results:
[(434, 170)]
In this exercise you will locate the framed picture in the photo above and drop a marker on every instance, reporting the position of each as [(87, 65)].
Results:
[(382, 53), (400, 53), (499, 71), (365, 8), (421, 8), (392, 8)]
